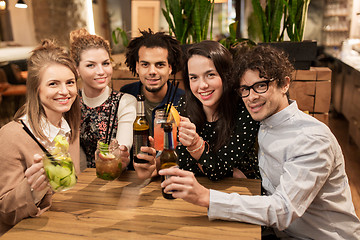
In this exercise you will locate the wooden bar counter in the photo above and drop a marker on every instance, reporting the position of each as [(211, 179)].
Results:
[(129, 208)]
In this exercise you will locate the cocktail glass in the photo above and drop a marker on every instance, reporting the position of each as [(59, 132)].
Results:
[(60, 170), (160, 117), (107, 160)]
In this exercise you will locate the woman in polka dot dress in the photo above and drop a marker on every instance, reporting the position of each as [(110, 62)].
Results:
[(217, 135)]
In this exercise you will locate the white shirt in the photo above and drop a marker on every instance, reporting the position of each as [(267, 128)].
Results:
[(50, 131), (126, 114), (303, 172)]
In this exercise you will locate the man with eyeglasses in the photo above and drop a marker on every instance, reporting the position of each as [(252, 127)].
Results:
[(300, 161)]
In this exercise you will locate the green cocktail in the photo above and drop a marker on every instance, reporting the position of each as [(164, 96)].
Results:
[(59, 168)]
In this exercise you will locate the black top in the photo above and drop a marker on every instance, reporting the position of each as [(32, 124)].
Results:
[(239, 152), (94, 124)]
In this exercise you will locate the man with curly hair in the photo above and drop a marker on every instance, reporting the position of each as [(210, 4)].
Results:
[(153, 57), (300, 161)]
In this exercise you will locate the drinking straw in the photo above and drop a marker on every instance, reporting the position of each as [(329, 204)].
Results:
[(108, 123), (168, 98), (35, 139), (113, 122), (172, 99)]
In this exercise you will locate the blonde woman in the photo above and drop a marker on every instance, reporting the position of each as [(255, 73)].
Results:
[(51, 108)]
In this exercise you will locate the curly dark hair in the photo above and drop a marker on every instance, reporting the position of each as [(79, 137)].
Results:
[(269, 61), (150, 39)]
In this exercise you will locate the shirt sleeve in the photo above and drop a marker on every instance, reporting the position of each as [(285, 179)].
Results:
[(302, 177), (126, 118)]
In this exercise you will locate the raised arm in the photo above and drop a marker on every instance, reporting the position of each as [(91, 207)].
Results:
[(200, 157)]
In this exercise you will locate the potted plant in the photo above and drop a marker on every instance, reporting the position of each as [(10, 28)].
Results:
[(189, 20), (277, 17), (231, 42)]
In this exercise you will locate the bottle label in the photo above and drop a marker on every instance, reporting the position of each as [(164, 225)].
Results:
[(140, 139)]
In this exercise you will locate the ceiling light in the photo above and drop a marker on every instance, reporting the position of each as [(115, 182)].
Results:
[(2, 5), (21, 4)]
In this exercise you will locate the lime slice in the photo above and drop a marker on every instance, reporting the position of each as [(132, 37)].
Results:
[(106, 156), (61, 143)]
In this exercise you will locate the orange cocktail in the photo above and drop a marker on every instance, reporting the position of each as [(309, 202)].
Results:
[(159, 130)]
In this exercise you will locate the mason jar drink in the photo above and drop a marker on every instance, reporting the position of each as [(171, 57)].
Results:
[(107, 160), (160, 119), (59, 167)]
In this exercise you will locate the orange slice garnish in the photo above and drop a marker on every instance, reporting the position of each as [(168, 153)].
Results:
[(174, 114)]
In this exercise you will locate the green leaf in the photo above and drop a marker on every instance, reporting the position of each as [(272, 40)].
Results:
[(232, 29), (120, 33), (276, 15), (260, 13)]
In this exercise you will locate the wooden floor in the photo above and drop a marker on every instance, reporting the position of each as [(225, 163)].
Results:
[(339, 126)]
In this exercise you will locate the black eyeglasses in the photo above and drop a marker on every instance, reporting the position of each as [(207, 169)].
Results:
[(259, 87)]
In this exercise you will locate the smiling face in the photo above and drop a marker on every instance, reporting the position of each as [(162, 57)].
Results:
[(57, 91), (153, 68), (264, 105), (95, 70), (205, 83)]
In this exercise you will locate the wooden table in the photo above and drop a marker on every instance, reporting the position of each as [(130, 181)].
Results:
[(129, 208)]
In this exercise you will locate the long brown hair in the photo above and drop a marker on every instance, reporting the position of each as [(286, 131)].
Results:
[(226, 109), (46, 54)]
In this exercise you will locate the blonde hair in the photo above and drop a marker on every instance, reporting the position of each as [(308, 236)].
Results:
[(81, 40), (46, 54)]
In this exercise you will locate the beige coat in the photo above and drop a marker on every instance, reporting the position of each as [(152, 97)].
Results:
[(17, 149)]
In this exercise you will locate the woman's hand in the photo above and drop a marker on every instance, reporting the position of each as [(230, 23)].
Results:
[(185, 186), (124, 156), (188, 136), (146, 170), (35, 175), (187, 132)]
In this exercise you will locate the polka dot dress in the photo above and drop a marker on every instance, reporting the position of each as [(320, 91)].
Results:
[(238, 153)]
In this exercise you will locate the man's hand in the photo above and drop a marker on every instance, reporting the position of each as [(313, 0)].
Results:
[(185, 186), (146, 170)]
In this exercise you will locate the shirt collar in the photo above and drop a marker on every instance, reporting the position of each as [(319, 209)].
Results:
[(282, 116), (50, 131)]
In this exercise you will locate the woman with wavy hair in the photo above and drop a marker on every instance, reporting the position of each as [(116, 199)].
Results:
[(92, 56)]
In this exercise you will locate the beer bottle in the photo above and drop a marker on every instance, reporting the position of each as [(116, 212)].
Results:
[(168, 157), (141, 129)]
